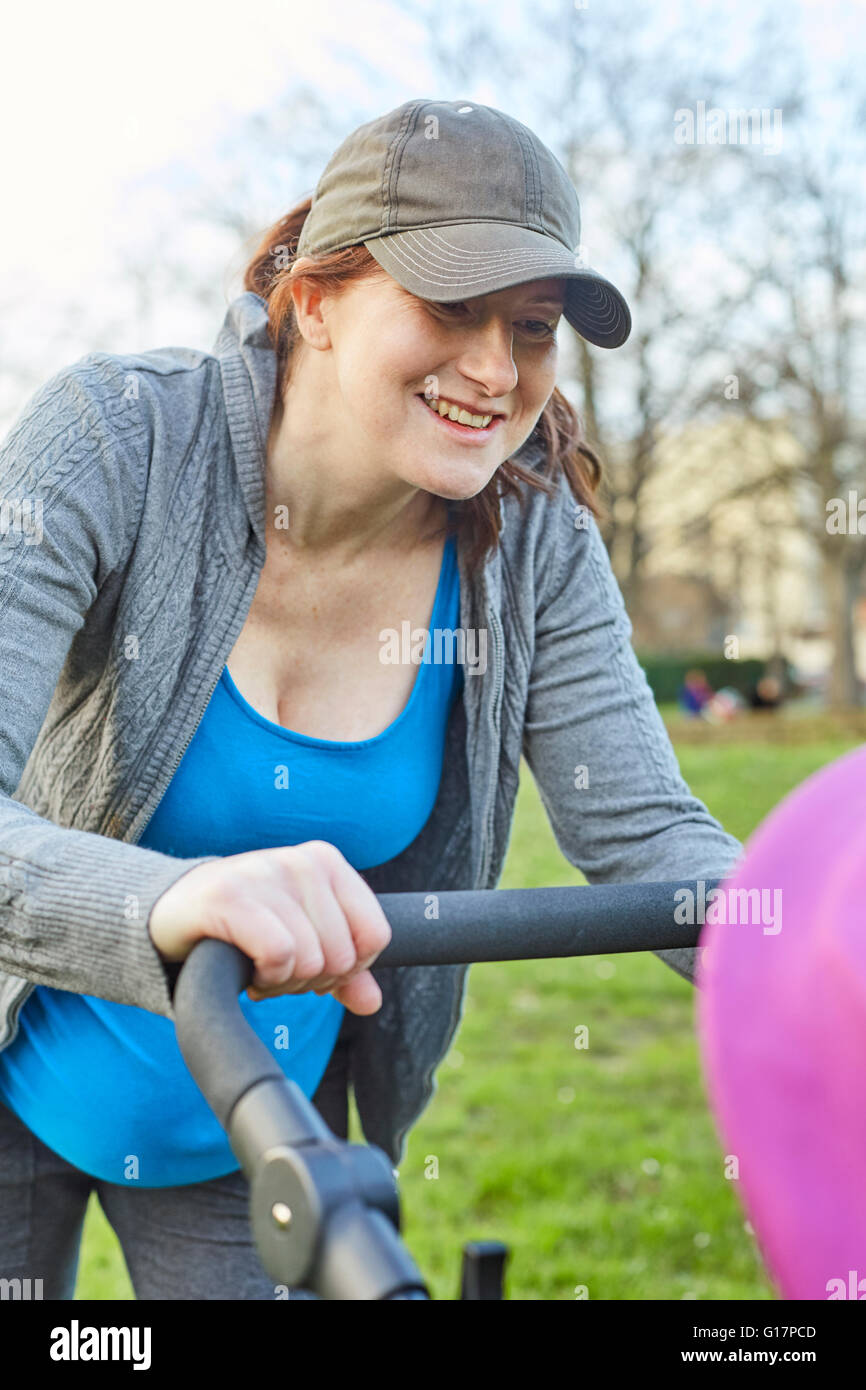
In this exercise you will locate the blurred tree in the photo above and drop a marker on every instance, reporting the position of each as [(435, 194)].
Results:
[(816, 225), (742, 262)]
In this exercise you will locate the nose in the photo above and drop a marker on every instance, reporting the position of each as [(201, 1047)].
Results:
[(487, 358)]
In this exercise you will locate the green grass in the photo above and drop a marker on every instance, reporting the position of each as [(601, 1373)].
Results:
[(599, 1167)]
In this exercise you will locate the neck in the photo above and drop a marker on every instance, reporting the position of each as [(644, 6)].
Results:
[(336, 512)]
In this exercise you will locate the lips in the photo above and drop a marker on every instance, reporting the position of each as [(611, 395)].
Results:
[(464, 405), (468, 434)]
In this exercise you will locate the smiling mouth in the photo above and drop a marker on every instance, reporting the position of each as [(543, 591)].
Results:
[(459, 419)]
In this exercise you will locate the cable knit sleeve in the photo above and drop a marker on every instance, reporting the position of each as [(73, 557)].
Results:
[(595, 741), (74, 905)]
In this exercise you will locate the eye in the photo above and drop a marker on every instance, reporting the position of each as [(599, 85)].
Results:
[(454, 306), (459, 308), (541, 329)]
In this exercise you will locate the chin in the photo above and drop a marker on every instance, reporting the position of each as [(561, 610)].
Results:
[(453, 483), (455, 492)]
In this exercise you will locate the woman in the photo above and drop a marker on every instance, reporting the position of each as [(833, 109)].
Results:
[(205, 731)]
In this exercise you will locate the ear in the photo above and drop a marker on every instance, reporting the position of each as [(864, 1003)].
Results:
[(308, 300)]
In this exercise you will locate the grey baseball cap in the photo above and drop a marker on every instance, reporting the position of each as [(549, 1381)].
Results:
[(455, 200)]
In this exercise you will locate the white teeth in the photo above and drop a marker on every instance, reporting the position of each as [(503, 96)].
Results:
[(454, 412)]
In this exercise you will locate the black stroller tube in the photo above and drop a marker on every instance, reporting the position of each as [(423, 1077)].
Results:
[(466, 926), (344, 1213), (325, 1214), (456, 927), (222, 1052)]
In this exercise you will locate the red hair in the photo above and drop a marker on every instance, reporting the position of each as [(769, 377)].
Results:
[(558, 430)]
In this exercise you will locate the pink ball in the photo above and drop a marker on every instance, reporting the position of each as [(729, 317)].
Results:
[(782, 1030)]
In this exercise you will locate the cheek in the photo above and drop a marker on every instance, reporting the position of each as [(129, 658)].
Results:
[(536, 380), (375, 371), (544, 377)]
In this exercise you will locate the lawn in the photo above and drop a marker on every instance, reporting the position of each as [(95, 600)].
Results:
[(599, 1167)]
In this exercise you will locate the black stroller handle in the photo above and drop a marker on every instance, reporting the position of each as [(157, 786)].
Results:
[(448, 928), (338, 1234), (325, 1213)]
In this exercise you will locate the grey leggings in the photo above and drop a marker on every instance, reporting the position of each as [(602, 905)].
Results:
[(190, 1242)]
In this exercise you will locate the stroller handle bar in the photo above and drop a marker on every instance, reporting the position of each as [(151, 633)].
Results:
[(458, 927), (325, 1213)]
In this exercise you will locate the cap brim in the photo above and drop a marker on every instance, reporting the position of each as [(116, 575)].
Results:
[(465, 259)]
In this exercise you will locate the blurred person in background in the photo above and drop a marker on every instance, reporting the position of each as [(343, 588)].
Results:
[(695, 693)]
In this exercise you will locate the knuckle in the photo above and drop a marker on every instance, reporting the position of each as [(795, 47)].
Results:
[(324, 850), (277, 961), (377, 927), (229, 896), (306, 866), (341, 960), (376, 937), (310, 961), (303, 881)]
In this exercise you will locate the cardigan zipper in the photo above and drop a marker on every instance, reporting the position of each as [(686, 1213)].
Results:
[(496, 629), (178, 760)]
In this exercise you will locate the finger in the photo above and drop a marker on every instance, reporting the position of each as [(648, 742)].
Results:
[(322, 986), (369, 927), (268, 892), (309, 959), (312, 881), (360, 995), (263, 936), (281, 943), (300, 980)]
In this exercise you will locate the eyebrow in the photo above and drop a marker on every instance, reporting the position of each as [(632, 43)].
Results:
[(544, 302)]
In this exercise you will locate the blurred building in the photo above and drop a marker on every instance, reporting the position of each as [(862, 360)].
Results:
[(730, 533)]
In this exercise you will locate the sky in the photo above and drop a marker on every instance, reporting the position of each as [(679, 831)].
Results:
[(93, 95), (97, 99)]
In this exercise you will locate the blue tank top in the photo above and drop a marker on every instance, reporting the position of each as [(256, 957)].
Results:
[(104, 1084)]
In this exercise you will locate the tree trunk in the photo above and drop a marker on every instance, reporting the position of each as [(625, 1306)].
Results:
[(840, 587)]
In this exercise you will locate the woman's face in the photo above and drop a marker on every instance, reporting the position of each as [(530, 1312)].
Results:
[(393, 355)]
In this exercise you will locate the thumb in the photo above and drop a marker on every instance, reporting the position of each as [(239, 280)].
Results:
[(360, 995)]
